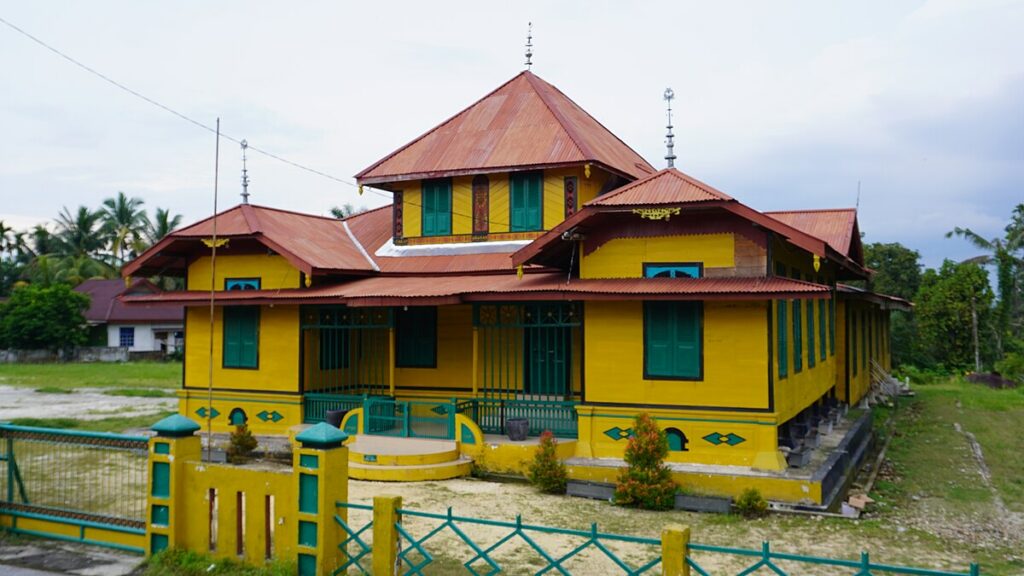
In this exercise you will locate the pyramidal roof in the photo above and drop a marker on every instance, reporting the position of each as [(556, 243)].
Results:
[(525, 123), (667, 186)]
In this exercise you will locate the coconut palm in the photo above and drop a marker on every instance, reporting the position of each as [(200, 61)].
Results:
[(161, 225), (80, 233), (74, 270), (124, 223)]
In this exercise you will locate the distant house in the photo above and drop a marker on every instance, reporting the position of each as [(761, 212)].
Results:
[(148, 328)]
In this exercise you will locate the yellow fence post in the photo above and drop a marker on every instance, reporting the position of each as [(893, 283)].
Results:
[(385, 535), (675, 547), (166, 514), (321, 471)]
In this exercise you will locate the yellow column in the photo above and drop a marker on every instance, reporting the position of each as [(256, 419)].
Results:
[(585, 420), (320, 462), (391, 362), (675, 544), (170, 451), (476, 361), (385, 536)]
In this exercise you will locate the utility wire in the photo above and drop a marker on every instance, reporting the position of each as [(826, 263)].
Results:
[(209, 128)]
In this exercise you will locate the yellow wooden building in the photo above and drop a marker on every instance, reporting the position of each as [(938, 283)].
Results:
[(534, 266)]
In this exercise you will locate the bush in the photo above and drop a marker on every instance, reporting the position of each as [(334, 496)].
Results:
[(547, 472), (1012, 367), (647, 482), (751, 504), (35, 318), (241, 445)]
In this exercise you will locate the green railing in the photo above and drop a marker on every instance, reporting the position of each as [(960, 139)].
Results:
[(410, 418), (86, 476), (317, 405), (558, 416), (606, 553)]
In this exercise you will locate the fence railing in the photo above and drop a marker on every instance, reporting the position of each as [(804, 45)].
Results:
[(86, 476), (317, 405), (558, 416), (415, 541)]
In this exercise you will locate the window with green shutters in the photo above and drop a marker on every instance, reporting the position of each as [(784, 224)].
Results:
[(437, 207), (853, 342), (798, 337), (810, 334), (672, 340), (864, 350), (416, 337), (781, 329), (526, 196), (241, 336), (832, 323), (821, 328)]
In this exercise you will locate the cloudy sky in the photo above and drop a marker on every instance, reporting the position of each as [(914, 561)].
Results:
[(781, 104)]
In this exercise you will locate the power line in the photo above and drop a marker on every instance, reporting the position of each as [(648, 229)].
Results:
[(207, 127)]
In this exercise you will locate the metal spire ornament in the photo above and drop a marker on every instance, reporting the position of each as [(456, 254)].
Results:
[(669, 143), (245, 174), (529, 44)]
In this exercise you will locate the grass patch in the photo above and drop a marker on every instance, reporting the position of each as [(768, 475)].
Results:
[(184, 563), (69, 376), (54, 390), (140, 392), (114, 424)]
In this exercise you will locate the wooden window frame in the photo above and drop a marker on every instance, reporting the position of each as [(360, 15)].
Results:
[(224, 338), (539, 174), (433, 184), (647, 375)]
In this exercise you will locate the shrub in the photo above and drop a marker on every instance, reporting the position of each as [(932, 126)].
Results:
[(1012, 367), (241, 445), (751, 504), (43, 317), (647, 482), (547, 472)]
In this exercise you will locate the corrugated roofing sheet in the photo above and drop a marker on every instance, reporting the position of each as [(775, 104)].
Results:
[(836, 227), (526, 122), (668, 186), (105, 308), (384, 290)]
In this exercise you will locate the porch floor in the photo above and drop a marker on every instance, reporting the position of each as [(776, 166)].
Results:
[(391, 446)]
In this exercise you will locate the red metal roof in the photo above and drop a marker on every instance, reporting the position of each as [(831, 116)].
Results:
[(311, 243), (525, 123), (884, 300), (833, 226), (106, 308), (453, 289), (669, 186)]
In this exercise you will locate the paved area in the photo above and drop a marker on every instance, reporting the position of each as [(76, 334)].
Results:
[(37, 557)]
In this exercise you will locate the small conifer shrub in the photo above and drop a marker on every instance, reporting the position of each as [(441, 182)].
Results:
[(647, 482), (547, 472), (751, 504), (241, 445)]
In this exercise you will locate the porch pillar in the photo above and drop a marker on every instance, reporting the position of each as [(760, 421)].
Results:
[(391, 361), (476, 361)]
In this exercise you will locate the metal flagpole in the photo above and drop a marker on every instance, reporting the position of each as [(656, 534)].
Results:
[(213, 287)]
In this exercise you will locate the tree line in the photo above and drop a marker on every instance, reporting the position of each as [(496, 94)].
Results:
[(81, 244), (959, 322)]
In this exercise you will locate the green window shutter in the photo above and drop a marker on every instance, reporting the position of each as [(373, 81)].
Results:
[(416, 337), (437, 207), (821, 328), (798, 337), (526, 196), (832, 323), (853, 342), (781, 326), (810, 334), (672, 339), (241, 336), (864, 351)]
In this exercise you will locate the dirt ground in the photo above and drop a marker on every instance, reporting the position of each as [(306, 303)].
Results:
[(81, 404)]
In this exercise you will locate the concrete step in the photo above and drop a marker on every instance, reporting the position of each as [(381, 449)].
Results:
[(411, 473), (385, 451)]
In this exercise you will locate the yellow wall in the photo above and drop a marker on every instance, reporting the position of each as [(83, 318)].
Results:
[(734, 347), (273, 271), (454, 355), (412, 210), (278, 358), (288, 409), (624, 257)]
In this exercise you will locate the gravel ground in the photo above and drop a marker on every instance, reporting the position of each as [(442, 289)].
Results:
[(82, 404)]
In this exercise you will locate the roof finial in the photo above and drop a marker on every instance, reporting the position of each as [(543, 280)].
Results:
[(245, 174), (529, 44), (669, 144)]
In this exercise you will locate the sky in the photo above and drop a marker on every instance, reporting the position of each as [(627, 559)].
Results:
[(782, 105)]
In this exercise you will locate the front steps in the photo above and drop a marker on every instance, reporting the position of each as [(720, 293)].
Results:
[(386, 459)]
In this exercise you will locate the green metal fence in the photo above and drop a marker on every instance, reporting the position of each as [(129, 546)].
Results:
[(558, 416), (86, 476), (317, 405), (431, 541)]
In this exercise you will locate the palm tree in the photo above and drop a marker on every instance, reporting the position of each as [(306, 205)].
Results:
[(346, 210), (5, 237), (74, 270), (125, 223), (80, 233), (42, 241), (161, 225)]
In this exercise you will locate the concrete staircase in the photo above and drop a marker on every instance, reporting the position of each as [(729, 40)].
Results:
[(386, 459)]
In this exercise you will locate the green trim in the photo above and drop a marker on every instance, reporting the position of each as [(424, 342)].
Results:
[(161, 448), (683, 419), (307, 533), (175, 426), (78, 433), (309, 493), (158, 543), (160, 515), (63, 538), (311, 461), (307, 565), (73, 522), (242, 397), (161, 480)]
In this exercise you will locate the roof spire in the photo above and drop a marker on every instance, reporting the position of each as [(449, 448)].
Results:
[(245, 174), (529, 44), (670, 156)]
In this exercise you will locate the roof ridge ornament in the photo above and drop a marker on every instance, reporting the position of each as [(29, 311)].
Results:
[(657, 213), (670, 156), (245, 173), (529, 45)]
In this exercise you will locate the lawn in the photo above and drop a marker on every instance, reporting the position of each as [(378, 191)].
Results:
[(57, 378)]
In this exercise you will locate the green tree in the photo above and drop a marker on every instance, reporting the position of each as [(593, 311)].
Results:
[(162, 224), (953, 307), (37, 317), (80, 233), (897, 269), (346, 210), (125, 224)]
